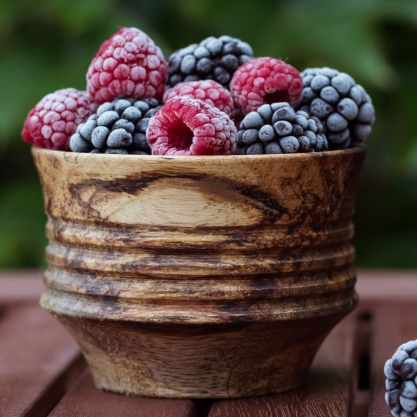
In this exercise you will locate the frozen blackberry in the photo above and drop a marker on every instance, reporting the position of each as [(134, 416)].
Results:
[(401, 382), (118, 127), (211, 59), (278, 128), (343, 106)]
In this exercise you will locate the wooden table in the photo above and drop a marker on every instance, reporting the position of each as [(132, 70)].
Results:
[(43, 374)]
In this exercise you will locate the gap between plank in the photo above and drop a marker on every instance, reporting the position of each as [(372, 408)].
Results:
[(203, 407), (57, 389), (362, 365)]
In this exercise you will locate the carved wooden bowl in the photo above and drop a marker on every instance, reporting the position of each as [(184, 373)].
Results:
[(199, 277)]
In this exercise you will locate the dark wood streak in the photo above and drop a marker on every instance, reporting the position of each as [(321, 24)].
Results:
[(272, 210)]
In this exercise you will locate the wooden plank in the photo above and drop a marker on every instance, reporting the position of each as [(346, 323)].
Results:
[(84, 396), (38, 359), (327, 393), (20, 286), (387, 286), (392, 326)]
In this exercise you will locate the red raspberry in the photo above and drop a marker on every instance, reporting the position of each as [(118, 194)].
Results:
[(55, 118), (128, 64), (266, 80), (187, 126), (208, 91)]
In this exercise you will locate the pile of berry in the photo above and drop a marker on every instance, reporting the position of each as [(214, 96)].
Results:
[(210, 98)]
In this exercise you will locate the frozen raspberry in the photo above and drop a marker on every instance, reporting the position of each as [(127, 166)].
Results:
[(343, 106), (401, 382), (207, 90), (55, 118), (265, 80), (211, 59), (117, 127), (186, 126), (128, 64)]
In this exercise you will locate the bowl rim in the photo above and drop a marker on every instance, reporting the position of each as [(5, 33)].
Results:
[(358, 149)]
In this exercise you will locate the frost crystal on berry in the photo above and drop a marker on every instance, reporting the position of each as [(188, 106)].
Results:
[(401, 382), (211, 59), (265, 80), (55, 118), (186, 126), (278, 128), (344, 107), (117, 127), (128, 64), (206, 90)]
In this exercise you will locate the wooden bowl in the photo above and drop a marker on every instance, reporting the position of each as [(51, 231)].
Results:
[(199, 277)]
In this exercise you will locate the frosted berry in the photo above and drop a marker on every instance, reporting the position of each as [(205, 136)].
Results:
[(211, 59), (55, 118), (401, 382), (343, 106), (208, 91), (186, 126), (278, 128), (265, 80), (128, 64), (118, 127)]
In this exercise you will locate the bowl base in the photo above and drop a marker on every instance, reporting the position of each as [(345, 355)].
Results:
[(222, 361)]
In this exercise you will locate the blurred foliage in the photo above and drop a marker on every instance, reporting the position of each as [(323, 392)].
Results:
[(49, 46)]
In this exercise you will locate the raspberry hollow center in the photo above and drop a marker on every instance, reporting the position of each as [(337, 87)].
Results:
[(180, 136), (276, 97)]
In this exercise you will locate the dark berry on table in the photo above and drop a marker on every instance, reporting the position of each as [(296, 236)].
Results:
[(208, 91), (118, 127), (128, 64), (344, 107), (187, 126), (278, 128), (265, 80), (401, 383), (55, 118), (211, 59)]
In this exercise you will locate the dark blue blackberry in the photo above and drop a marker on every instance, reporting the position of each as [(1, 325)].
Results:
[(278, 128), (211, 59), (401, 382), (343, 106), (118, 127)]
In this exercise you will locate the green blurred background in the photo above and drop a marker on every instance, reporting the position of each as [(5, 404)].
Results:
[(48, 45)]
